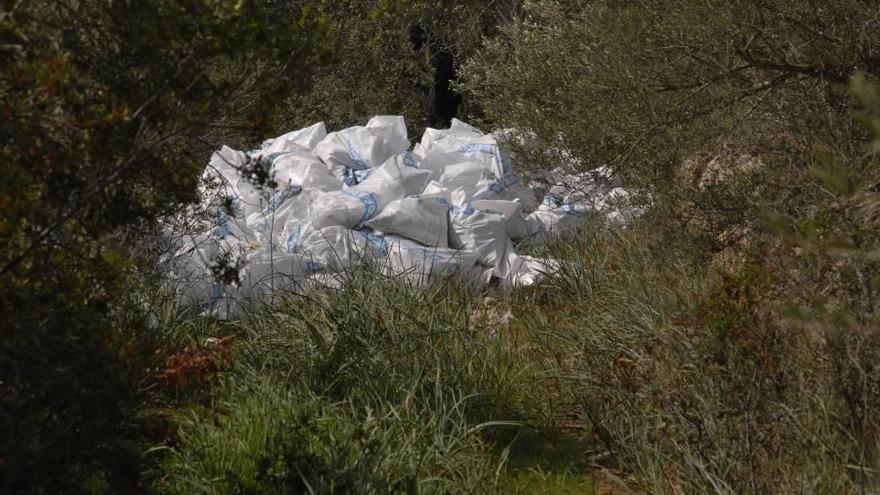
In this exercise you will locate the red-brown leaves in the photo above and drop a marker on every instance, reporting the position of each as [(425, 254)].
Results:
[(196, 364)]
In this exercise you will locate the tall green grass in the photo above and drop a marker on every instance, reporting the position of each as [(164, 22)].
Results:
[(696, 378), (688, 377), (377, 387)]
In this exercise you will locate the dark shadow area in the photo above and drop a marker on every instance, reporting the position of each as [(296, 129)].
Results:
[(444, 100)]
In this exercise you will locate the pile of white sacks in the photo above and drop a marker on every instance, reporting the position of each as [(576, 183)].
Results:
[(450, 206)]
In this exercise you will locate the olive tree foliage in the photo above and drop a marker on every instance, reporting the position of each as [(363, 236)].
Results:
[(678, 95), (737, 120), (377, 69), (109, 108)]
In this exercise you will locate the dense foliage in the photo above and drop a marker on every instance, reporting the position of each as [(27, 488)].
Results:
[(728, 342), (108, 108), (688, 97), (393, 57), (731, 345)]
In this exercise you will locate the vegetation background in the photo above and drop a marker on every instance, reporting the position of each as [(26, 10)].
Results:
[(727, 342)]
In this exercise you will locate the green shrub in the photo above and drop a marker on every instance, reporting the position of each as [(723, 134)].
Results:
[(727, 343), (713, 106), (700, 379), (105, 106), (376, 69)]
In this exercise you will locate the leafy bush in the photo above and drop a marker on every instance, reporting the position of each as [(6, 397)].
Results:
[(727, 344), (105, 107), (711, 105), (705, 380), (378, 68)]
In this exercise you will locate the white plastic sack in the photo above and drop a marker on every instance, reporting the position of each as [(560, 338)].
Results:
[(434, 160), (508, 188), (224, 178), (618, 207), (335, 248), (269, 272), (420, 219), (451, 206), (306, 138), (349, 208), (421, 264), (515, 270), (462, 179), (365, 147), (298, 167), (545, 222), (193, 281), (284, 205), (446, 138), (437, 190), (395, 179), (353, 206), (580, 192), (512, 211), (482, 232), (224, 164), (468, 143)]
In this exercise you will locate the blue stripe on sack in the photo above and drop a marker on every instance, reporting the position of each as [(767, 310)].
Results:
[(486, 149), (234, 203), (489, 149), (352, 177), (271, 157), (425, 253), (280, 197), (409, 160), (371, 204), (499, 185), (349, 178), (277, 200), (504, 160), (216, 290), (313, 266), (570, 209), (376, 241), (467, 210), (222, 230), (356, 156), (293, 239), (552, 200)]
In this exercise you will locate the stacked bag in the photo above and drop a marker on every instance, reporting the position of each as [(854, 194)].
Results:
[(450, 206)]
